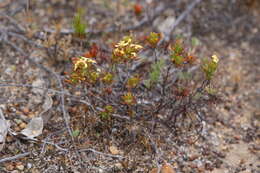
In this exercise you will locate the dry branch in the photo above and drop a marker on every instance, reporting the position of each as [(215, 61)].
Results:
[(184, 14), (18, 156)]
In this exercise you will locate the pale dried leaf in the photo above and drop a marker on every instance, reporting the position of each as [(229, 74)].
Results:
[(38, 83), (4, 126), (47, 103), (34, 128), (46, 106)]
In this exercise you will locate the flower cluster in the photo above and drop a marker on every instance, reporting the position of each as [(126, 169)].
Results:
[(84, 69), (125, 50), (210, 66), (129, 99)]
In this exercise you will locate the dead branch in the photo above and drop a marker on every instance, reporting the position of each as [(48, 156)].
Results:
[(18, 156), (14, 22), (184, 14)]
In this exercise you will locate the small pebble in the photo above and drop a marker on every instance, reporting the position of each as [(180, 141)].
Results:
[(114, 150), (26, 110), (22, 125), (31, 115), (119, 165), (29, 165), (20, 167), (9, 166)]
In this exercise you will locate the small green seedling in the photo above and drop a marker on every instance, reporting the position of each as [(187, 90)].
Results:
[(79, 25)]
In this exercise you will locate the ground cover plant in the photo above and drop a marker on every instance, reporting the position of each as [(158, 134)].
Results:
[(129, 86)]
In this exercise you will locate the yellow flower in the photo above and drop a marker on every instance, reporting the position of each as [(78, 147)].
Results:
[(128, 98), (136, 46), (125, 42), (215, 59), (126, 50), (84, 62)]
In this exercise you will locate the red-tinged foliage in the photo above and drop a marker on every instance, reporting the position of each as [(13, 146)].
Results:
[(92, 53), (108, 90), (138, 9), (190, 59)]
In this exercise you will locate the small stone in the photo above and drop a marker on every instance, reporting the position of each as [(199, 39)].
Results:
[(15, 171), (18, 112), (119, 165), (154, 170), (38, 83), (16, 129), (17, 121), (9, 138), (193, 165), (9, 166), (31, 115), (237, 137), (193, 157), (167, 168), (29, 165), (34, 170), (77, 93), (201, 169), (22, 125), (114, 150), (26, 110), (20, 167)]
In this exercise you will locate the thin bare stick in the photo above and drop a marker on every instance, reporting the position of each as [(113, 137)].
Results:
[(22, 37), (187, 11), (18, 156), (30, 86), (100, 153), (51, 143)]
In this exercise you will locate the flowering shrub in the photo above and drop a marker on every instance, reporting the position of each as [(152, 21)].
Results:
[(163, 94), (125, 50)]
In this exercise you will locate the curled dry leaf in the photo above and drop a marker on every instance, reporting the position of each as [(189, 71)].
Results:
[(34, 128), (4, 126)]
